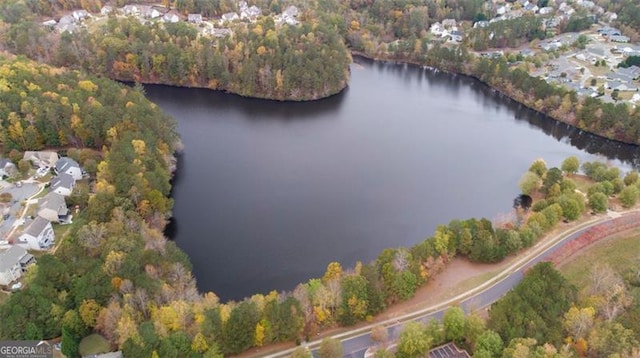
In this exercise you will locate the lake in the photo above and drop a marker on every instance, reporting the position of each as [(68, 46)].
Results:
[(268, 193)]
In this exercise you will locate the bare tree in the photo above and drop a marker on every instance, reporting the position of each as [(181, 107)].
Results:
[(401, 260)]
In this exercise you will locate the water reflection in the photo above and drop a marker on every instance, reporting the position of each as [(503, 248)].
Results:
[(265, 197)]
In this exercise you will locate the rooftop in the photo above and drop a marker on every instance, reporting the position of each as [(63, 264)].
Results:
[(11, 257)]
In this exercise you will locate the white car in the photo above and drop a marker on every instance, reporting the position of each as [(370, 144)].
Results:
[(16, 286)]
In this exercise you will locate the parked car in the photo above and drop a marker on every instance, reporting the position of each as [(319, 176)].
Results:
[(16, 286)]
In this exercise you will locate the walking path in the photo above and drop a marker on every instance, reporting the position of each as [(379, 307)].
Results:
[(356, 340)]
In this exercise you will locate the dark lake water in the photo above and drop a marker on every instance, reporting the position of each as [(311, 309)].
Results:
[(268, 193)]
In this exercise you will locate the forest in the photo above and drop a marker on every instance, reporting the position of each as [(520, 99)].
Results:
[(260, 59), (117, 275)]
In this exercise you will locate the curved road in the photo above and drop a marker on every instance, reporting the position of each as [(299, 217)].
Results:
[(356, 342)]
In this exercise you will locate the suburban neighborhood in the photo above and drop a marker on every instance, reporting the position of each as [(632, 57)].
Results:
[(218, 27), (32, 204), (585, 62)]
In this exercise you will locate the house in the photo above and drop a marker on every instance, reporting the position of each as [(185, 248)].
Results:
[(609, 31), (171, 17), (545, 10), (13, 262), (610, 16), (7, 168), (622, 87), (51, 24), (456, 36), (68, 166), (151, 12), (41, 159), (632, 72), (132, 10), (250, 13), (38, 235), (53, 208), (619, 38), (221, 32), (106, 10), (289, 15), (436, 29), (480, 24), (230, 16), (194, 18), (80, 15), (62, 184), (448, 350), (448, 23), (66, 23)]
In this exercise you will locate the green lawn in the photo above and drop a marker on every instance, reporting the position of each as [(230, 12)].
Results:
[(582, 182), (618, 251), (94, 344), (3, 297), (60, 231)]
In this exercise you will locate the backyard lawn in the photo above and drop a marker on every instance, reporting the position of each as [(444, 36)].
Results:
[(619, 251)]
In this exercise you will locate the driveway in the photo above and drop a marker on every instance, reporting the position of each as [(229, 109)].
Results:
[(15, 208)]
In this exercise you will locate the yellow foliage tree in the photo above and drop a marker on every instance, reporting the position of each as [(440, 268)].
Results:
[(139, 146), (87, 86), (259, 335), (334, 272), (199, 344), (113, 262), (89, 311)]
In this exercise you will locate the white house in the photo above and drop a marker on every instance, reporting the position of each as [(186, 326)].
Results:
[(13, 262), (151, 12), (171, 17), (288, 16), (80, 15), (69, 166), (106, 10), (53, 207), (194, 18), (41, 159), (230, 16), (250, 13), (62, 184), (436, 29), (38, 235), (7, 168), (50, 24), (133, 10)]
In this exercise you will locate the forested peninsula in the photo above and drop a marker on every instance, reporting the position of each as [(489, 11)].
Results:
[(306, 55)]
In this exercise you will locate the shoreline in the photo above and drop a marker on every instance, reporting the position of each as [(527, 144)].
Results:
[(493, 88)]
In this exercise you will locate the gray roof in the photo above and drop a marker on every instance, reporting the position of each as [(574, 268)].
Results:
[(65, 163), (53, 201), (5, 161), (37, 225), (63, 180), (633, 72), (622, 77), (10, 257)]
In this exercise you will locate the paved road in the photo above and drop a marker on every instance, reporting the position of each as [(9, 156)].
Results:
[(356, 346)]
